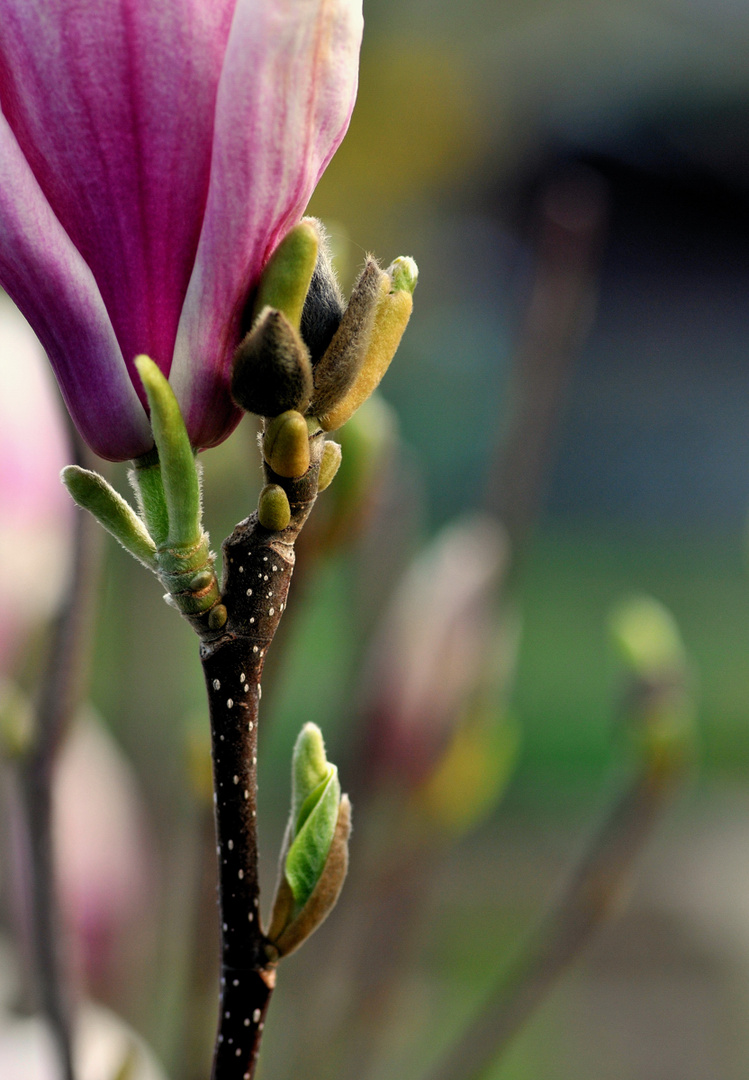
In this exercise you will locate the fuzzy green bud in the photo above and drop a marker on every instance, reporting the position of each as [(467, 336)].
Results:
[(286, 444), (272, 371), (273, 509), (92, 492)]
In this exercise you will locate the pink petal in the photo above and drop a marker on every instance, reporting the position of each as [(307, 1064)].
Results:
[(112, 102), (284, 102), (42, 271)]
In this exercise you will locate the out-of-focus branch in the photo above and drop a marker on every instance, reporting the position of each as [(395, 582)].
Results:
[(559, 312), (60, 692), (658, 714)]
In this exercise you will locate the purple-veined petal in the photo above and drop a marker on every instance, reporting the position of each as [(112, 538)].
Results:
[(48, 279), (112, 103), (284, 102)]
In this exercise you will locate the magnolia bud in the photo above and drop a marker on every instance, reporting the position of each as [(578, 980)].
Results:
[(389, 322), (273, 509), (329, 464), (340, 365), (271, 371), (286, 444), (314, 858), (287, 276)]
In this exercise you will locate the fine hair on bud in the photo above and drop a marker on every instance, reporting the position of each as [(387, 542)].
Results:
[(339, 367), (271, 372), (323, 308)]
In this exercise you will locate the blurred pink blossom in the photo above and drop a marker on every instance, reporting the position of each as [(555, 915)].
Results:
[(35, 510)]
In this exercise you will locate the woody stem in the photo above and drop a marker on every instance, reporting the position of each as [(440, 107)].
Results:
[(258, 565)]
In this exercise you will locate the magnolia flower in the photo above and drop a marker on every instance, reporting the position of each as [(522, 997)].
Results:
[(35, 513), (152, 155)]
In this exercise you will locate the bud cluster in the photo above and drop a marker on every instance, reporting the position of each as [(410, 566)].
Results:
[(309, 360)]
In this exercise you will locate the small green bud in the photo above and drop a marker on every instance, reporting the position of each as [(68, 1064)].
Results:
[(404, 273), (286, 278), (329, 464), (202, 580), (646, 636), (272, 371), (286, 444), (217, 617), (273, 510), (315, 796), (343, 359), (92, 492), (314, 859)]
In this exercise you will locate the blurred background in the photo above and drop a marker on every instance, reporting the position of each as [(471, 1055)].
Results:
[(564, 427)]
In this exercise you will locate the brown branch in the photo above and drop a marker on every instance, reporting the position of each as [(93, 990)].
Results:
[(591, 895), (258, 565), (61, 689)]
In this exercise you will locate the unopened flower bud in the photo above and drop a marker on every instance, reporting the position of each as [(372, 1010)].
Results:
[(339, 367), (390, 320), (271, 371), (273, 509), (329, 464), (286, 444)]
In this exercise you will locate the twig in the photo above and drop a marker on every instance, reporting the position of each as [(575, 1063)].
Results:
[(257, 571), (60, 692), (592, 893), (558, 315)]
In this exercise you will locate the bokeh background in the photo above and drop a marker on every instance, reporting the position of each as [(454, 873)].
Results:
[(573, 180)]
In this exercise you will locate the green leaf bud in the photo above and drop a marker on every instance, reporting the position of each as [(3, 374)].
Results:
[(315, 796), (329, 464), (343, 359), (286, 278), (646, 637), (389, 322), (314, 859), (404, 273), (272, 370), (288, 930), (92, 492), (286, 444), (179, 472), (273, 510)]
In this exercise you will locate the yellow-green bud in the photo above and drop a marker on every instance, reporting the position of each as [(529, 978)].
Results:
[(286, 444), (217, 617), (273, 510), (329, 464), (390, 320), (287, 276)]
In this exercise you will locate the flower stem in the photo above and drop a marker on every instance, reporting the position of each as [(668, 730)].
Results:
[(60, 693), (588, 900), (258, 565)]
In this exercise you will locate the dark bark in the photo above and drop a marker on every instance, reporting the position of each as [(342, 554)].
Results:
[(258, 565)]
